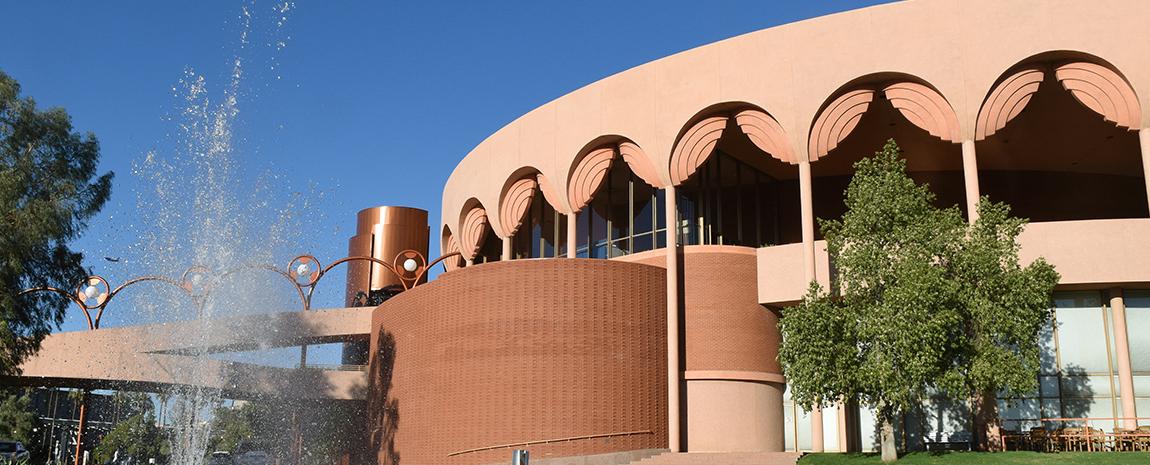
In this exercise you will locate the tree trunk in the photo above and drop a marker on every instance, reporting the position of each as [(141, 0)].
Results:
[(889, 452), (987, 431)]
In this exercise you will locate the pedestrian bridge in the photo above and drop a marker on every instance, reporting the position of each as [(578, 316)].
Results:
[(153, 356)]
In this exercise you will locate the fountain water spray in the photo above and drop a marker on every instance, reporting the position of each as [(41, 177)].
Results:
[(201, 209)]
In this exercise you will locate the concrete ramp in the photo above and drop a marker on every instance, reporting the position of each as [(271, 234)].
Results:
[(722, 458)]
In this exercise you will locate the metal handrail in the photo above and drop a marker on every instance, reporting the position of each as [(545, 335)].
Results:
[(548, 441), (336, 366)]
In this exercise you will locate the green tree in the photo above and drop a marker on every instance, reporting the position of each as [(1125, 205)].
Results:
[(137, 437), (921, 302), (1005, 308), (232, 426), (17, 419), (47, 194)]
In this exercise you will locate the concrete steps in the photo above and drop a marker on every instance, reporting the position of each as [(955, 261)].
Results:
[(721, 458)]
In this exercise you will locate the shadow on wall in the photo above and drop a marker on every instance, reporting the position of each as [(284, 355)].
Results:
[(944, 423), (383, 410), (1077, 394)]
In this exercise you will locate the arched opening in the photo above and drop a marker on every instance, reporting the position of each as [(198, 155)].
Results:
[(858, 121), (737, 180), (448, 244), (624, 216), (542, 232), (1045, 152), (478, 242), (490, 249)]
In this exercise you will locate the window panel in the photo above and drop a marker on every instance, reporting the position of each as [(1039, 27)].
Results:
[(1081, 333), (1142, 388), (1138, 327)]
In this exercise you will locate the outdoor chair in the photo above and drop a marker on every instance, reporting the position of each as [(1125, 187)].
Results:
[(1070, 439), (1142, 440), (1096, 438), (1124, 439), (1038, 439), (1013, 438)]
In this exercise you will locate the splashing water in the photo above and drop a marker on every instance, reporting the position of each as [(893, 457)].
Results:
[(202, 209)]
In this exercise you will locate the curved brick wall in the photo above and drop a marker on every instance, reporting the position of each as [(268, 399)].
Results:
[(726, 328), (734, 384), (519, 351)]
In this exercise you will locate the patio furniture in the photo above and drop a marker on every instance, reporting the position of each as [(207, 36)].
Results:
[(1124, 439), (1142, 438), (1038, 440)]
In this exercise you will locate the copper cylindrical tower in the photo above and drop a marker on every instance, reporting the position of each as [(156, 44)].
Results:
[(382, 232)]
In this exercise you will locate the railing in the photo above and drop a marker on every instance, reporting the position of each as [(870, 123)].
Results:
[(549, 441), (1081, 436), (335, 367)]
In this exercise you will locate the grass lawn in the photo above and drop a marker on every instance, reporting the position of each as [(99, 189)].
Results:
[(973, 458)]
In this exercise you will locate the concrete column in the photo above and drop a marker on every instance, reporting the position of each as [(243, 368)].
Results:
[(674, 371), (807, 210), (572, 241), (506, 249), (808, 219), (1122, 347), (970, 177), (1144, 142)]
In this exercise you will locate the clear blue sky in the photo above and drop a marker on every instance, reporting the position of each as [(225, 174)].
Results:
[(375, 101)]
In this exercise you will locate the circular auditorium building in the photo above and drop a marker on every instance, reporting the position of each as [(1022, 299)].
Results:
[(629, 248)]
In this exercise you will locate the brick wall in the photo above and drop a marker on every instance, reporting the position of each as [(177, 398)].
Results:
[(520, 351)]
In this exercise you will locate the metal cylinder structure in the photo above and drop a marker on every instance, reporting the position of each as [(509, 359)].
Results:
[(382, 233)]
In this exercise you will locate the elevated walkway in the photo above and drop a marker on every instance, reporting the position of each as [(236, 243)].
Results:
[(147, 357)]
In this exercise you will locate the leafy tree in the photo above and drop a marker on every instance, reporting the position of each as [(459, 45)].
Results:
[(231, 427), (18, 421), (329, 429), (47, 194), (1006, 306), (922, 302), (137, 437)]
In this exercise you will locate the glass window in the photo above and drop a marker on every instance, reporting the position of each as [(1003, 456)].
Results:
[(620, 218), (1081, 333), (1138, 327), (729, 202), (543, 233)]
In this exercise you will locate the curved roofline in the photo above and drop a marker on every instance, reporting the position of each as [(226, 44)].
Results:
[(959, 49)]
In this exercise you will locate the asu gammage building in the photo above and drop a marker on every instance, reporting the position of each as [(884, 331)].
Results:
[(630, 247)]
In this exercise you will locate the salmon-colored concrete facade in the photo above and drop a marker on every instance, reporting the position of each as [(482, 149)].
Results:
[(1036, 104), (960, 48)]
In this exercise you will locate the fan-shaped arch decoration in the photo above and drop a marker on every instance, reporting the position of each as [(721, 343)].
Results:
[(836, 122), (516, 201), (473, 232), (550, 193), (452, 245), (1006, 101), (1103, 91), (767, 134), (639, 163), (588, 175), (695, 147), (926, 108)]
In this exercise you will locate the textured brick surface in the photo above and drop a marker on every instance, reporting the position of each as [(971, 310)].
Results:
[(519, 351), (726, 328)]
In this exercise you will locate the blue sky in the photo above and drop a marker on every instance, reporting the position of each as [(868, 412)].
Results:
[(372, 103)]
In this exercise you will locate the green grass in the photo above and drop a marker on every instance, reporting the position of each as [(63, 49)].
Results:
[(974, 458)]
